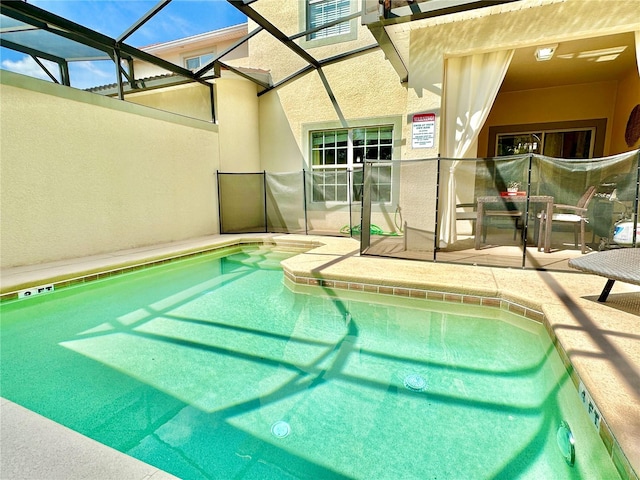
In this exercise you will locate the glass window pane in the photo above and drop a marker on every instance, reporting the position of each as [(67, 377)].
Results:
[(317, 139), (329, 177), (358, 137), (383, 174), (318, 193), (320, 12), (372, 153), (330, 194), (518, 144), (384, 193), (342, 156), (330, 139), (553, 144), (385, 153), (372, 136), (358, 155), (342, 138), (193, 63), (386, 135)]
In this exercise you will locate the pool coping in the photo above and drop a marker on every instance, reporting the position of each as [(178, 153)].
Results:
[(561, 301)]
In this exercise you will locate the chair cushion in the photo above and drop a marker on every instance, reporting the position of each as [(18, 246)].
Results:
[(566, 217)]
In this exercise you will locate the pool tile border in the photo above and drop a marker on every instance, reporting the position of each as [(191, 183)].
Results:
[(172, 257), (419, 293), (606, 436)]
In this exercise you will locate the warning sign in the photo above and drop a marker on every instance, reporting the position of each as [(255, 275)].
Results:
[(424, 130)]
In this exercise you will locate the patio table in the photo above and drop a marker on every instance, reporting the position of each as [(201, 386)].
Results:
[(547, 200)]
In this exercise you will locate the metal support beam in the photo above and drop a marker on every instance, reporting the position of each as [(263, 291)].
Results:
[(427, 9), (147, 57), (60, 26), (326, 61), (326, 25), (382, 37), (64, 73), (288, 79), (46, 70), (212, 97), (144, 19), (213, 62), (131, 76), (117, 61), (275, 32)]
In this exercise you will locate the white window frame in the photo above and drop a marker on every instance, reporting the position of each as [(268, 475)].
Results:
[(331, 35), (353, 162), (199, 57)]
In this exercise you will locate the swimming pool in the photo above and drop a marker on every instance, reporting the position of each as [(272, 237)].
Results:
[(212, 368)]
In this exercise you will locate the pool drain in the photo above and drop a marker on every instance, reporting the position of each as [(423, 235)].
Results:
[(415, 382), (280, 429)]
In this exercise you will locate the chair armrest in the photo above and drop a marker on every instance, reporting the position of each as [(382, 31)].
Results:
[(569, 207)]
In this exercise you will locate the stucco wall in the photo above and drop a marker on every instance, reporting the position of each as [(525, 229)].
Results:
[(238, 115), (82, 174), (628, 97), (191, 100), (557, 104)]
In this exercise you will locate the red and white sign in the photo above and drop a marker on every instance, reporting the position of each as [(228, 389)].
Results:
[(424, 130)]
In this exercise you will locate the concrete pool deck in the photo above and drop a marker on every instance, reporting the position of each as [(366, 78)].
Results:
[(601, 341)]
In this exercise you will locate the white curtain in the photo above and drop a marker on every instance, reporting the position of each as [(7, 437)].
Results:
[(471, 85)]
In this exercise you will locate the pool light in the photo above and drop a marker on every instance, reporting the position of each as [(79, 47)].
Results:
[(566, 443)]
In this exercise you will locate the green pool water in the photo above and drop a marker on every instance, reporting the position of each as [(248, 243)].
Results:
[(212, 368)]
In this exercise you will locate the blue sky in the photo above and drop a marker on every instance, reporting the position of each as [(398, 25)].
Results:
[(179, 19)]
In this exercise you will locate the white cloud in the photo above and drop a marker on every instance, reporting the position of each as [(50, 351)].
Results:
[(82, 74), (92, 74), (27, 66)]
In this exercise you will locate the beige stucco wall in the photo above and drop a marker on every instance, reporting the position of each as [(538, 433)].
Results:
[(628, 97), (238, 116), (82, 174), (557, 104), (191, 100)]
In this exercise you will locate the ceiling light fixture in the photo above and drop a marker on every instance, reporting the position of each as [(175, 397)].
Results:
[(545, 53)]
